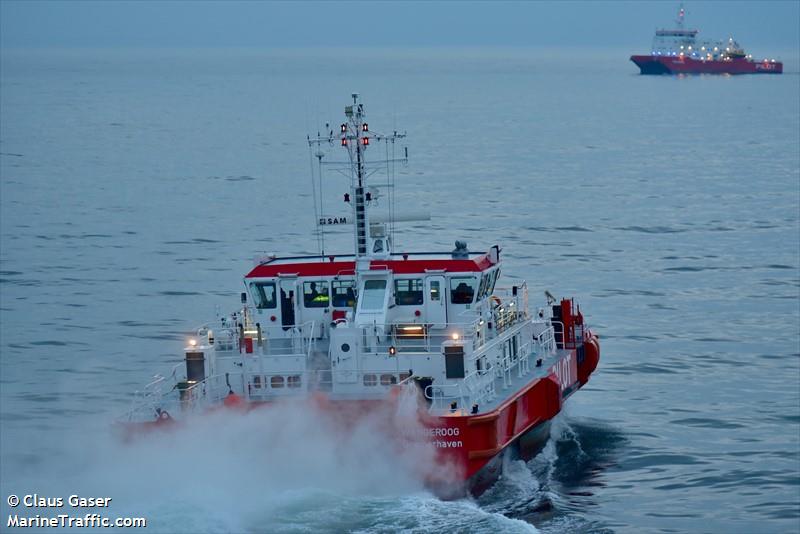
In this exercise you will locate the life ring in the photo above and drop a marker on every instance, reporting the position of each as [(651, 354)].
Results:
[(496, 300), (164, 415), (339, 321)]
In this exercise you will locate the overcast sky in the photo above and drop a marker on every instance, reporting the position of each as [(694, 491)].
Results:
[(754, 23)]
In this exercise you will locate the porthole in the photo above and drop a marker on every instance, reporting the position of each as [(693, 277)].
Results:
[(370, 380), (388, 380)]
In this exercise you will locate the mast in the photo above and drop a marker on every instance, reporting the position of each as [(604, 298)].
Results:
[(681, 14), (370, 239), (356, 146)]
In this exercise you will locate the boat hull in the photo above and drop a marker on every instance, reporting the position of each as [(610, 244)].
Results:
[(517, 428), (687, 65), (524, 448)]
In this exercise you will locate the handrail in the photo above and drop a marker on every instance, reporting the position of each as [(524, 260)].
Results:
[(547, 339), (564, 342), (326, 258), (466, 331), (474, 388)]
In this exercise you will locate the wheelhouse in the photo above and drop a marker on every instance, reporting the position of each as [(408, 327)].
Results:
[(428, 290)]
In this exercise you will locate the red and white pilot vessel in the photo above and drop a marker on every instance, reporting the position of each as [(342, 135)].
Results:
[(356, 329), (679, 51)]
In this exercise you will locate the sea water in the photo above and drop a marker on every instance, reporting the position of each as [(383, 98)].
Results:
[(137, 186)]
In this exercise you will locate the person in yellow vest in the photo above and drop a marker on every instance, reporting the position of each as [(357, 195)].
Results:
[(317, 298)]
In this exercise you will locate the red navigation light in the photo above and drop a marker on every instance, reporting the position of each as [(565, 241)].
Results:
[(344, 142), (344, 127), (417, 313), (365, 127), (366, 140)]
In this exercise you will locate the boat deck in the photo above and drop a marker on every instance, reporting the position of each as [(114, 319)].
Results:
[(507, 390)]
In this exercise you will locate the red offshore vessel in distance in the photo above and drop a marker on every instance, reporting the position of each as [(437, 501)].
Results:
[(356, 333), (679, 51)]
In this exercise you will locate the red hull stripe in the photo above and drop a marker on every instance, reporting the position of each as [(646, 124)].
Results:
[(688, 65), (347, 267)]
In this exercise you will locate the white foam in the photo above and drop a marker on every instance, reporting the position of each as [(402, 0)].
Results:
[(233, 471)]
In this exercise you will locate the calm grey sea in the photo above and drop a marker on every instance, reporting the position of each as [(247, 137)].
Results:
[(137, 186)]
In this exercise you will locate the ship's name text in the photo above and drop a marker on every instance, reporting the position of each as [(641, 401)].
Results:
[(443, 432), (324, 221), (563, 371)]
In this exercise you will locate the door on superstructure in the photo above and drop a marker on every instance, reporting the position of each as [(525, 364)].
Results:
[(287, 296), (373, 299), (344, 351), (435, 303)]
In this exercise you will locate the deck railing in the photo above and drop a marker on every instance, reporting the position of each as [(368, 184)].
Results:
[(273, 381), (475, 388), (546, 340)]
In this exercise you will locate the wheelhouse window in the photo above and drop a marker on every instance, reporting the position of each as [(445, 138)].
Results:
[(408, 292), (487, 283), (372, 299), (484, 285), (495, 276), (263, 294), (462, 290), (344, 294), (315, 294), (436, 291)]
